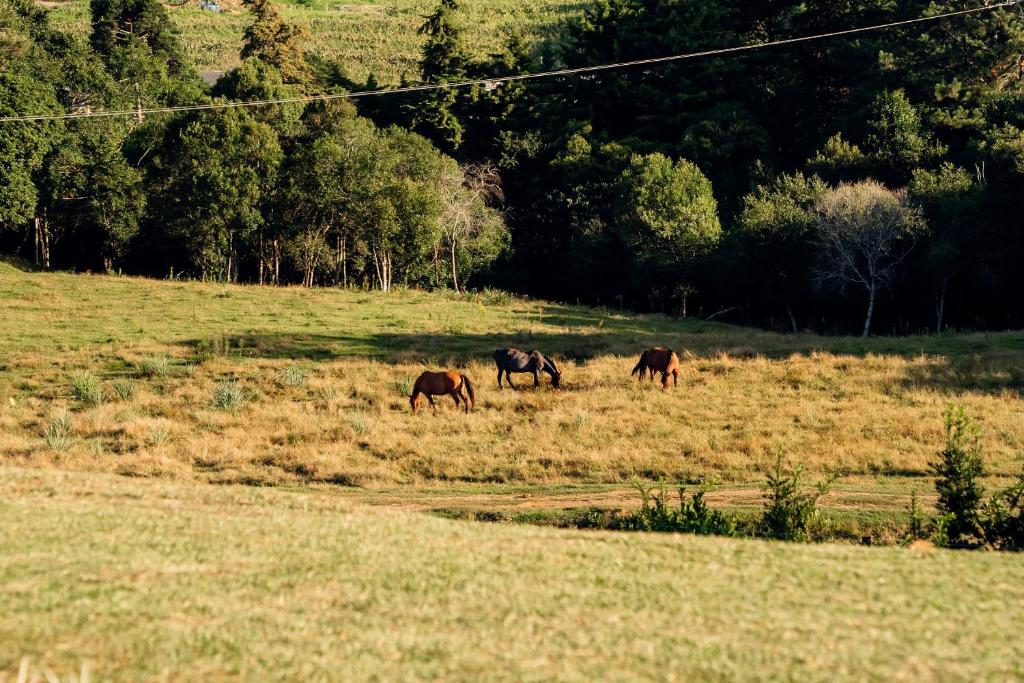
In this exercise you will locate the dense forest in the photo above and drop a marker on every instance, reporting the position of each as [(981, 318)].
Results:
[(872, 182)]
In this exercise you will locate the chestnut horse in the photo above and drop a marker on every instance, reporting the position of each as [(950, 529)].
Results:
[(453, 384), (660, 360)]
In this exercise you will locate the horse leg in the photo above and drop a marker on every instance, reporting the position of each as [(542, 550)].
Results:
[(465, 397), (455, 397), (664, 381), (500, 372), (508, 378), (675, 377), (431, 399), (536, 378)]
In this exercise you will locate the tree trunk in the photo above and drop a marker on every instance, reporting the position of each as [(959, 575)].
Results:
[(871, 310), (378, 266), (231, 253), (455, 269), (263, 259), (940, 306), (108, 265), (792, 319)]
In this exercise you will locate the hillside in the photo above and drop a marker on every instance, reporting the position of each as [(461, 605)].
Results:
[(166, 580), (367, 37), (288, 386)]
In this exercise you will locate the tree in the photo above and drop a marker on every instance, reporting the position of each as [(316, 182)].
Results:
[(272, 40), (777, 229), (895, 140), (950, 198), (94, 193), (443, 60), (957, 471), (864, 233), (23, 148), (217, 167), (475, 231)]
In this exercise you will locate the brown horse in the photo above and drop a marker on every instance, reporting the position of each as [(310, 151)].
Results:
[(453, 384), (660, 360)]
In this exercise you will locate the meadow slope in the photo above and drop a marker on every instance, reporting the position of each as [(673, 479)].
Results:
[(161, 580), (321, 379), (364, 37)]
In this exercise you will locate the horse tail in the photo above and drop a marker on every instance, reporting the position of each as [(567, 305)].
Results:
[(469, 390), (641, 366)]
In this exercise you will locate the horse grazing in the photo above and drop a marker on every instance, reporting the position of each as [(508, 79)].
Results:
[(660, 360), (514, 360), (450, 383)]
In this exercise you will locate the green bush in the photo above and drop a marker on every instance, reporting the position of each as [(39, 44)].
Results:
[(691, 517), (957, 471), (1002, 518), (790, 511), (57, 433), (86, 389), (229, 396)]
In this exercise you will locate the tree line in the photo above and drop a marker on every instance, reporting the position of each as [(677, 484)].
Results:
[(862, 183)]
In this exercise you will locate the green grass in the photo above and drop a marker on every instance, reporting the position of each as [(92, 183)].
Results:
[(366, 37), (324, 375), (146, 580)]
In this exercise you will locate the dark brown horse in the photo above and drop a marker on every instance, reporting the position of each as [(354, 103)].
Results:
[(660, 360), (450, 383)]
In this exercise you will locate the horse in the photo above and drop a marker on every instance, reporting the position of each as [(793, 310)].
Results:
[(660, 360), (514, 360), (452, 383)]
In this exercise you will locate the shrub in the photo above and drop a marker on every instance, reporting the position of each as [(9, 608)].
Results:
[(789, 511), (691, 517), (292, 376), (228, 396), (957, 471), (918, 528), (403, 387), (155, 366), (1002, 519), (57, 433), (86, 388), (125, 390)]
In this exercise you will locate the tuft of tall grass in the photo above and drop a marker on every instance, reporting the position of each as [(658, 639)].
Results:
[(292, 376), (155, 366), (229, 396), (124, 389), (86, 389), (360, 423), (58, 433)]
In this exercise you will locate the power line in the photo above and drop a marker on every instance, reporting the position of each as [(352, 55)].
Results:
[(493, 82)]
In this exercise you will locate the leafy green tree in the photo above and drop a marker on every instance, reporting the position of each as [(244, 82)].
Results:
[(474, 230), (778, 232), (256, 80), (951, 199), (274, 41), (23, 148), (217, 167), (94, 193), (895, 140)]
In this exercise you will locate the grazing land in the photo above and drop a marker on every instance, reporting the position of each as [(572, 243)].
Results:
[(143, 579), (294, 387), (377, 38)]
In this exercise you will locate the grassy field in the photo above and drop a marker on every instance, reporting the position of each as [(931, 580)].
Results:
[(289, 387), (367, 37), (167, 580)]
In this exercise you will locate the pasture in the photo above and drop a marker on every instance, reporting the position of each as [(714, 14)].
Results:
[(309, 388), (172, 580), (365, 37)]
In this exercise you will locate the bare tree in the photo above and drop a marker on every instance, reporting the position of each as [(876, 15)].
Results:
[(465, 194), (865, 232)]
